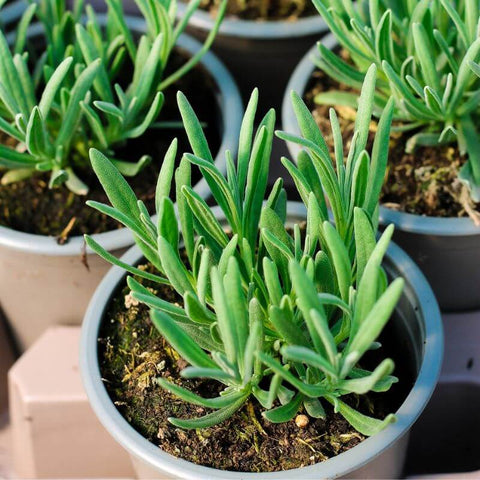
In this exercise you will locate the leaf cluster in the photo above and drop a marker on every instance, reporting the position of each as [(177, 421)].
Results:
[(425, 52), (92, 84)]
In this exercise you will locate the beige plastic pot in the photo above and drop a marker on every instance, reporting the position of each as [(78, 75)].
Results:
[(53, 431), (43, 283), (416, 325)]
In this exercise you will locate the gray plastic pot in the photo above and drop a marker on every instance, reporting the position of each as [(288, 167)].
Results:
[(259, 53), (446, 249), (453, 447), (416, 324), (43, 283)]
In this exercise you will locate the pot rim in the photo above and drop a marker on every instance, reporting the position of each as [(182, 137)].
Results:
[(232, 27), (408, 222), (419, 293), (12, 12), (257, 29), (231, 107)]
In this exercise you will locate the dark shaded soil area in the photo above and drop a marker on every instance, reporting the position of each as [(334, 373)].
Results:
[(262, 10)]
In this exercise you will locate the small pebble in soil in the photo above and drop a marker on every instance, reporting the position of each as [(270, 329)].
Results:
[(301, 421), (130, 301)]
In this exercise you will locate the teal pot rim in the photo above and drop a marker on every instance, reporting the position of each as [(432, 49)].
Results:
[(12, 12), (231, 107), (257, 29), (418, 293), (408, 222)]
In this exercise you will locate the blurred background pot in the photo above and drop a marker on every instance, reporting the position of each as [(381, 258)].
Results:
[(43, 283), (446, 249), (11, 13), (416, 326), (258, 53)]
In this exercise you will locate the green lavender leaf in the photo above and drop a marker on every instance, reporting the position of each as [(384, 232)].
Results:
[(182, 342)]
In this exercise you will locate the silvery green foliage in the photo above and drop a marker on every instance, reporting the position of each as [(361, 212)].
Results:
[(270, 311), (68, 99), (424, 51)]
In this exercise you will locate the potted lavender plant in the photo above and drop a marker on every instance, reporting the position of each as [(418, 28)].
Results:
[(426, 54), (253, 324)]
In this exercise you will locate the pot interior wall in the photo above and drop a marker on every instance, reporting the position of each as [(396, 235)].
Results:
[(406, 329)]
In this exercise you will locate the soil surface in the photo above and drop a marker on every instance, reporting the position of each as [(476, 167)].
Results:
[(30, 206), (269, 10), (423, 182), (133, 354)]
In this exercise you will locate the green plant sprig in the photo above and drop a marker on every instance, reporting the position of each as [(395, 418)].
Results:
[(424, 52), (72, 99), (354, 181), (267, 311)]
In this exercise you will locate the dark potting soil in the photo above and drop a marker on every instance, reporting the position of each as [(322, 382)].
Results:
[(133, 354), (423, 182), (30, 206), (264, 10)]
